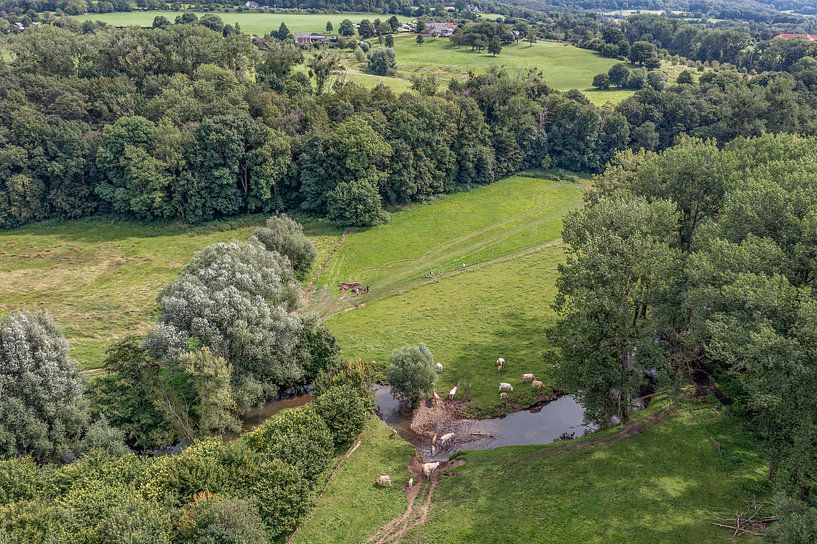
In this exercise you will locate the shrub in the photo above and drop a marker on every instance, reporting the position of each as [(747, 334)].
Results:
[(286, 236), (19, 479), (102, 436), (412, 373), (210, 519), (299, 437), (33, 522), (355, 203), (114, 514), (345, 410), (98, 466), (277, 488), (178, 478), (355, 373), (382, 61), (42, 408)]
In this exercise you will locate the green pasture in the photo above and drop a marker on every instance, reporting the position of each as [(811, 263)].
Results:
[(468, 320), (352, 505), (249, 21), (497, 305), (99, 278), (665, 485)]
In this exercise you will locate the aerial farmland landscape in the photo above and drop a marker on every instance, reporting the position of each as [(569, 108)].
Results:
[(356, 272)]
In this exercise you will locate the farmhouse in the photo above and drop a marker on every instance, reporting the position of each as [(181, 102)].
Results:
[(810, 37), (309, 39), (440, 29), (251, 5)]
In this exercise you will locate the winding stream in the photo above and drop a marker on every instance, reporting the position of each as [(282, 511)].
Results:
[(541, 424)]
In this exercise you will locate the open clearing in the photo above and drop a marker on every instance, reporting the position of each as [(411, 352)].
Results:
[(665, 484), (250, 22), (564, 66), (507, 235), (99, 278)]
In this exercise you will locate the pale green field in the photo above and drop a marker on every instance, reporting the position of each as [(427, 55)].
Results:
[(100, 278), (564, 66), (250, 22)]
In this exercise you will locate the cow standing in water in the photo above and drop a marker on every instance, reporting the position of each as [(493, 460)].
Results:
[(500, 364)]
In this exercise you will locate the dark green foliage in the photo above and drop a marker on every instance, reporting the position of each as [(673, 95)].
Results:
[(382, 61), (411, 372), (601, 81), (345, 410), (299, 437), (215, 520), (125, 395)]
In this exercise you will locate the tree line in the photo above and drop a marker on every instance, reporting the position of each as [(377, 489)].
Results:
[(186, 123), (699, 262)]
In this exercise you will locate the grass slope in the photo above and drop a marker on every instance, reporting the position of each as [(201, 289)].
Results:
[(665, 485), (352, 505), (564, 66), (468, 320), (250, 22), (100, 278), (499, 305), (513, 214)]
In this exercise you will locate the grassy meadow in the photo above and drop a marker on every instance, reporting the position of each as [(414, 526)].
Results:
[(99, 278), (665, 485), (250, 22), (507, 235)]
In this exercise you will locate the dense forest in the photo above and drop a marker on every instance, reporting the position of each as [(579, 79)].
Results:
[(699, 264), (185, 122)]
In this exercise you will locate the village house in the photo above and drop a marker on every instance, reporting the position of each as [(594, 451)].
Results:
[(252, 5), (442, 30), (309, 39)]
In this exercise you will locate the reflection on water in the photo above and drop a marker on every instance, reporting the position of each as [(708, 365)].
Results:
[(541, 424), (256, 416)]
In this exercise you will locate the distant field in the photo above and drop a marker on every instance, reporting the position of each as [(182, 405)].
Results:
[(564, 66), (250, 22), (100, 278)]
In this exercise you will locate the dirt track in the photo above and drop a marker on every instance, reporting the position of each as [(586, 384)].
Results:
[(423, 490)]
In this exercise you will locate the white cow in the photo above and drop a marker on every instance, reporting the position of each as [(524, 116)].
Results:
[(505, 387), (503, 396), (528, 377), (453, 392), (537, 384), (439, 367), (384, 480), (428, 468), (500, 363), (445, 438)]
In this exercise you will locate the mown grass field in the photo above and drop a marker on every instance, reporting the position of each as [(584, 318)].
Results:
[(250, 22), (352, 504), (665, 485), (99, 278)]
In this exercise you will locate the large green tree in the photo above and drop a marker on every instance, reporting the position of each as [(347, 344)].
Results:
[(43, 411)]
